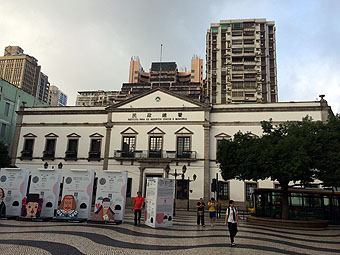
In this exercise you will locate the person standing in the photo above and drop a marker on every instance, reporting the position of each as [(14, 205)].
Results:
[(200, 212), (137, 206), (231, 219), (212, 211)]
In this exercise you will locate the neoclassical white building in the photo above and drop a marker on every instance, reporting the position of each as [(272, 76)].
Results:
[(147, 133)]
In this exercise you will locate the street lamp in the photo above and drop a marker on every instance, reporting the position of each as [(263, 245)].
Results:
[(60, 165), (193, 179), (167, 170), (46, 165)]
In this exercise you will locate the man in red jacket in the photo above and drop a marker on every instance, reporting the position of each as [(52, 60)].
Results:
[(137, 206)]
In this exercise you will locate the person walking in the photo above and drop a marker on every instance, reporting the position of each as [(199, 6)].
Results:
[(137, 206), (212, 211), (231, 219), (200, 212)]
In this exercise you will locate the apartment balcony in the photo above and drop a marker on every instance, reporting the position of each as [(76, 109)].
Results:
[(26, 155), (48, 155), (147, 155), (71, 155), (94, 156)]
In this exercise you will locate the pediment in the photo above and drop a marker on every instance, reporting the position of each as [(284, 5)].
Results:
[(223, 136), (183, 131), (158, 98), (30, 135), (156, 131), (51, 135), (74, 135), (96, 135), (252, 135), (129, 131)]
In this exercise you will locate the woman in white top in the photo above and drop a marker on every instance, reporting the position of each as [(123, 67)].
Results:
[(231, 220)]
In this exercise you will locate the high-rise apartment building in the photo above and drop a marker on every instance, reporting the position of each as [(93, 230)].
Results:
[(241, 61), (20, 69), (43, 87), (56, 97)]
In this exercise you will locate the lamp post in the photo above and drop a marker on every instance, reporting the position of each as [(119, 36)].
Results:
[(60, 165), (175, 174), (46, 165), (193, 179)]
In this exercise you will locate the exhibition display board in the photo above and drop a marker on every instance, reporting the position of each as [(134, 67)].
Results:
[(110, 196), (46, 183), (159, 202), (14, 183), (78, 183)]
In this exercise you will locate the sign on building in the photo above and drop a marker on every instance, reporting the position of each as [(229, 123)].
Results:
[(14, 183), (159, 202)]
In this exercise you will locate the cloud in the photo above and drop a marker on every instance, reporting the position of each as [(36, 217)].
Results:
[(87, 45)]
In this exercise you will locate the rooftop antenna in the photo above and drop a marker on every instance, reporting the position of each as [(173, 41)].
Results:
[(160, 67)]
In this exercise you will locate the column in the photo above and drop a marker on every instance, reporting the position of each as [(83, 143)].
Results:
[(17, 133), (108, 126), (141, 179), (206, 127)]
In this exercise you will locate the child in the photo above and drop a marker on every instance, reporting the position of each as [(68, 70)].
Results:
[(212, 211)]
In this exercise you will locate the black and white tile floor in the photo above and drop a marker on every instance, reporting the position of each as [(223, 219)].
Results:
[(184, 237)]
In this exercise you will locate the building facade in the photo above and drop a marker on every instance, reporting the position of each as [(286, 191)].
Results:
[(148, 135), (20, 69), (56, 97), (98, 98), (43, 87), (11, 98), (241, 61)]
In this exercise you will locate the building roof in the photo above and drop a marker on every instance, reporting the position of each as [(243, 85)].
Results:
[(164, 66)]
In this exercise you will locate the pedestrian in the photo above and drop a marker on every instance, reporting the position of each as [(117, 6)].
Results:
[(212, 211), (200, 212), (137, 206), (231, 219)]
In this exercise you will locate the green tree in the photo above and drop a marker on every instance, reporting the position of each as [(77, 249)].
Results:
[(284, 153), (5, 160), (327, 152)]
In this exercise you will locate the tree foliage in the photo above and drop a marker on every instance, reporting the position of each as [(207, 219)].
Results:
[(5, 160), (290, 152)]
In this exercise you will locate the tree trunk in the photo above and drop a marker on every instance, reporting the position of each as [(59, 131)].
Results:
[(285, 205)]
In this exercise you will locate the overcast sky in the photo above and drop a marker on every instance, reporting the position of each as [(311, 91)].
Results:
[(87, 45)]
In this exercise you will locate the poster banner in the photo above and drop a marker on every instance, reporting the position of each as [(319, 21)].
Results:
[(110, 196), (14, 182), (159, 202), (78, 183), (46, 183)]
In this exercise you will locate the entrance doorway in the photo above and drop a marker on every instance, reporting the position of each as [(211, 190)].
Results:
[(149, 176)]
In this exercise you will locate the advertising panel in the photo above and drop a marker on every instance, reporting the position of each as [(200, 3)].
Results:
[(159, 202), (110, 196), (46, 183), (14, 183), (78, 183)]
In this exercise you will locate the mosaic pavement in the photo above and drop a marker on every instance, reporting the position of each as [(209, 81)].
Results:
[(184, 237)]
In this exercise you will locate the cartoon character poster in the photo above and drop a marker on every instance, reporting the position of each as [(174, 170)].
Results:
[(14, 183), (46, 183), (79, 184), (110, 196), (67, 209), (104, 211), (31, 206), (159, 202)]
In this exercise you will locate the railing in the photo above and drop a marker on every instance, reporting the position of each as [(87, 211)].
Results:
[(145, 154), (71, 155), (27, 154), (94, 155), (48, 155)]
